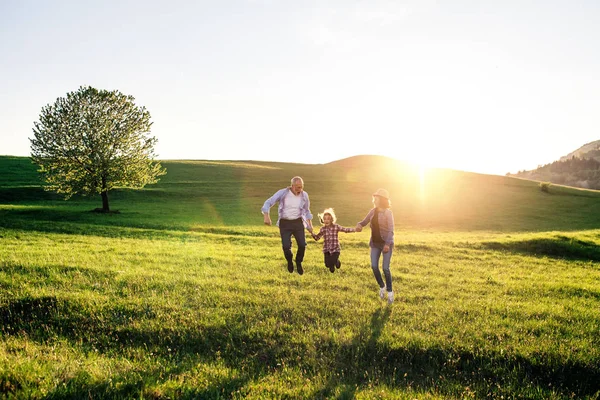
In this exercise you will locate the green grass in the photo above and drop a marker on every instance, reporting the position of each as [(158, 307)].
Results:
[(185, 294)]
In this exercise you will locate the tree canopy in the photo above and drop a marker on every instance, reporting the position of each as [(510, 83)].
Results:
[(92, 141)]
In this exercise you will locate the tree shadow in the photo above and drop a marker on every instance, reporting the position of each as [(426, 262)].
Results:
[(86, 223), (25, 194), (557, 247)]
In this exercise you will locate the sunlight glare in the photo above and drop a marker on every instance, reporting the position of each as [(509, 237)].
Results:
[(422, 170)]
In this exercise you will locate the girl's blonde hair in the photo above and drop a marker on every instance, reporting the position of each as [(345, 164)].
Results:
[(330, 212)]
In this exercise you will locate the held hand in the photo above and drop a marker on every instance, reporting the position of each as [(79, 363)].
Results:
[(358, 227), (267, 220), (386, 248)]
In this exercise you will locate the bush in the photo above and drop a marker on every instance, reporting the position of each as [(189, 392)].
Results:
[(545, 187)]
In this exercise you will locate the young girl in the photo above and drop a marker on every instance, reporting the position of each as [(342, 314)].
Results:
[(331, 244), (382, 240)]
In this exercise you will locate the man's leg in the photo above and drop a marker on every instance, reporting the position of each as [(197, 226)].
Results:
[(298, 232), (286, 243)]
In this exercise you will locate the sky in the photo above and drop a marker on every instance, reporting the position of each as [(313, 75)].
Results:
[(483, 86)]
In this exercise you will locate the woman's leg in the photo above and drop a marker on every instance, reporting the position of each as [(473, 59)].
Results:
[(387, 258), (375, 253)]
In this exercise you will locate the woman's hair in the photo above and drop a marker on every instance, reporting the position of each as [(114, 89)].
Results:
[(383, 202), (330, 212)]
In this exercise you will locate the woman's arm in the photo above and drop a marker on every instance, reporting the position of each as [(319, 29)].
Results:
[(389, 237), (367, 219)]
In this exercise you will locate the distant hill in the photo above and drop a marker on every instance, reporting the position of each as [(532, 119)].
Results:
[(587, 151), (580, 168)]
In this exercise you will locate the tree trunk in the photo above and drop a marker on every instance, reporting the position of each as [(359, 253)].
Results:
[(105, 202), (104, 194)]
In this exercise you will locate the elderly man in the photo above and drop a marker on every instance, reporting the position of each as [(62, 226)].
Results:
[(293, 215)]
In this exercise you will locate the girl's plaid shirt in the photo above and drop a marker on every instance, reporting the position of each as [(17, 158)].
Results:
[(331, 243)]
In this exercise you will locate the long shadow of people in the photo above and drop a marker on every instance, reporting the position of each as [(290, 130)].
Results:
[(352, 358)]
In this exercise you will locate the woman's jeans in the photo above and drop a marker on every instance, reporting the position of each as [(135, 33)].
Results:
[(387, 257)]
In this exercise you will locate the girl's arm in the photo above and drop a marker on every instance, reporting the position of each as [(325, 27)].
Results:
[(344, 229), (318, 235)]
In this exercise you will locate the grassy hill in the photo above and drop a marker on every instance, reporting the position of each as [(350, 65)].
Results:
[(185, 293), (196, 193)]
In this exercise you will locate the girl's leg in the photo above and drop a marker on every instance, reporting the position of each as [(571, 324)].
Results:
[(387, 258), (336, 257), (375, 253), (329, 262)]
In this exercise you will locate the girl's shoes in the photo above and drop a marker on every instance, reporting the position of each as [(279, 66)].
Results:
[(338, 264), (382, 292), (390, 296)]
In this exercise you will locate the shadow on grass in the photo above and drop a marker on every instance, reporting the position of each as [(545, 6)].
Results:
[(557, 247), (12, 195), (358, 363), (128, 387), (86, 222)]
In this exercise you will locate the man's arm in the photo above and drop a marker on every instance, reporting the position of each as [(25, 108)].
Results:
[(267, 219), (269, 203), (307, 214)]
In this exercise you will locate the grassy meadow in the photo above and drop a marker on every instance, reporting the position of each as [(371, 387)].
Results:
[(185, 294)]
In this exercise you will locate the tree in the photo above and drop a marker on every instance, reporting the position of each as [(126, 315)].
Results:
[(92, 141)]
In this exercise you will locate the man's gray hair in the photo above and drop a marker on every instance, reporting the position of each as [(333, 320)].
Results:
[(297, 179)]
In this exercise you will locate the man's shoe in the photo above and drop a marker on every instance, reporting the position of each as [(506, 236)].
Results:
[(338, 264), (382, 293), (332, 269), (390, 297), (290, 266), (299, 268)]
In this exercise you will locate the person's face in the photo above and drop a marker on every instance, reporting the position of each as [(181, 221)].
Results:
[(327, 220), (297, 188), (376, 201)]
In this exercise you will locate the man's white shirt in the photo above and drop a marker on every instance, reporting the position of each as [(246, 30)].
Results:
[(291, 206)]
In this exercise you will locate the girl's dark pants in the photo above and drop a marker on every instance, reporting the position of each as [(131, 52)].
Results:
[(331, 259), (294, 227)]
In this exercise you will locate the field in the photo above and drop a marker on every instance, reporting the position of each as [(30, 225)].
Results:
[(185, 294)]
